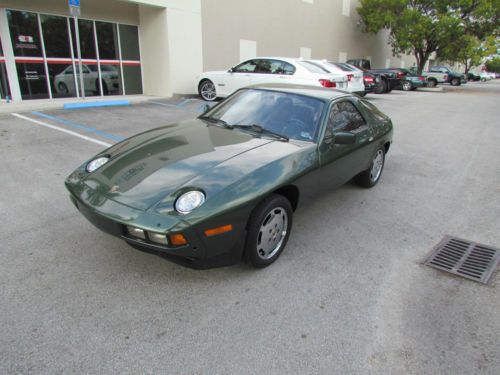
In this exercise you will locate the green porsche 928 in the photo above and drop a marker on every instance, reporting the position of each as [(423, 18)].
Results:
[(223, 187)]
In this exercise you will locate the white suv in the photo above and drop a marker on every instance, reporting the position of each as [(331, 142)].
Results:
[(219, 84)]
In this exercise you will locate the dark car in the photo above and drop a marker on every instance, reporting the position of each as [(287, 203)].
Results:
[(213, 190), (371, 81), (473, 76), (403, 79)]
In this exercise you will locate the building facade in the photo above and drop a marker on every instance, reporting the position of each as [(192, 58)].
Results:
[(159, 47)]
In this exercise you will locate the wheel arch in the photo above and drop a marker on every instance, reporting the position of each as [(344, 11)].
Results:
[(290, 192)]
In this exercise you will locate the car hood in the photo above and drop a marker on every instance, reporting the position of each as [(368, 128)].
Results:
[(144, 169)]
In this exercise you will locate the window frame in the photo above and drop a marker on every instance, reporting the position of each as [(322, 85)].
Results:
[(325, 135)]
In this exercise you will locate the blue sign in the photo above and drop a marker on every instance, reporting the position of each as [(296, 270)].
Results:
[(74, 3)]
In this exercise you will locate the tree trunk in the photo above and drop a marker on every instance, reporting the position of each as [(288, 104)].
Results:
[(421, 58)]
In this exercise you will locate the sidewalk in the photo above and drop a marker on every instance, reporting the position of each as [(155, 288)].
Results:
[(40, 104)]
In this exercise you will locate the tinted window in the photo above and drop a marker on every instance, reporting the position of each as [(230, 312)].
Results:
[(55, 36), (295, 116), (246, 67), (87, 40), (107, 40), (24, 33), (373, 110), (129, 39), (344, 117), (345, 68)]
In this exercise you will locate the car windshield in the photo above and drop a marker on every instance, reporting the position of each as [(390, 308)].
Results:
[(290, 115)]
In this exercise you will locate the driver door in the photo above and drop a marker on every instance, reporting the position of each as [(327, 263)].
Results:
[(240, 76), (341, 162)]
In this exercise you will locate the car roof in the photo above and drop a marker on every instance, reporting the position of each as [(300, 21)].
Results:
[(312, 91)]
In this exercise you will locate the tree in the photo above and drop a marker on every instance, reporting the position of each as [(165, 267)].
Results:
[(468, 50), (422, 27), (493, 65)]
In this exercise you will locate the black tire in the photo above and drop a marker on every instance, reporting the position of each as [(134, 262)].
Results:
[(380, 87), (207, 91), (254, 254), (455, 82), (366, 179), (406, 86), (62, 89), (363, 94), (431, 83)]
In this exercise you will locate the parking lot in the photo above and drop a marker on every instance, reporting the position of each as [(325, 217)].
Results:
[(348, 295)]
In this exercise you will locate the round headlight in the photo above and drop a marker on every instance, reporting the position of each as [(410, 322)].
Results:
[(189, 201), (96, 163)]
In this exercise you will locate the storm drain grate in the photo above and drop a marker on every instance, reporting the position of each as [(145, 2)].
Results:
[(464, 258)]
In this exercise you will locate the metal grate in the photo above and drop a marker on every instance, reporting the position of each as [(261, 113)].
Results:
[(464, 258)]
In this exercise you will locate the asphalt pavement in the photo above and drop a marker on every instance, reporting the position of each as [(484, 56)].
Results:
[(348, 295)]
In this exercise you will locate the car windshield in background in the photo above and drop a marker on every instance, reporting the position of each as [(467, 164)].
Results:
[(293, 116)]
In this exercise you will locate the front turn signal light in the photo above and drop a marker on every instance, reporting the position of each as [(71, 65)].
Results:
[(218, 230), (177, 239)]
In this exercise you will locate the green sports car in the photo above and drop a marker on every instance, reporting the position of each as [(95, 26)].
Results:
[(223, 187)]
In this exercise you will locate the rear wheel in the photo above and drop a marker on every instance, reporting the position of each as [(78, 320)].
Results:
[(207, 91), (455, 82), (380, 87), (431, 82), (371, 176), (268, 231)]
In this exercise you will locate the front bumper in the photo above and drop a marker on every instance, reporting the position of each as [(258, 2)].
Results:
[(201, 252)]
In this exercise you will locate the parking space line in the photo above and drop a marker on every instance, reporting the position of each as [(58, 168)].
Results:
[(73, 124), (62, 130)]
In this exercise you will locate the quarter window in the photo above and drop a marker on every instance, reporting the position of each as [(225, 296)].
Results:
[(344, 117)]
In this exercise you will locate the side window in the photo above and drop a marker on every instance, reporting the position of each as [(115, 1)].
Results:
[(288, 69), (281, 67), (69, 70), (246, 67), (264, 67), (343, 117)]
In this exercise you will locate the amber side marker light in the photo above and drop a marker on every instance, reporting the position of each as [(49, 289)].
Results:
[(177, 239), (218, 230)]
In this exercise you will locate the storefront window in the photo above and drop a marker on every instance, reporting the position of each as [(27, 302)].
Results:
[(109, 56), (4, 82), (28, 54), (58, 52), (129, 41)]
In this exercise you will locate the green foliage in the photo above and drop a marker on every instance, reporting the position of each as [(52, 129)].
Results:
[(493, 65), (421, 27)]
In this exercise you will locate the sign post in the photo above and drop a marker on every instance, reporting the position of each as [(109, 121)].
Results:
[(74, 10)]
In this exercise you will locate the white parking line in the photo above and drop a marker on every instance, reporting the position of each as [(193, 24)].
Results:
[(62, 130)]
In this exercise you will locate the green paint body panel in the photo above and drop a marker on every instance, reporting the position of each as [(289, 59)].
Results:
[(138, 186)]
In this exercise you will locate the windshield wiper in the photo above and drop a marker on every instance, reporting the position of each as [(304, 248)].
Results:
[(259, 129), (216, 121)]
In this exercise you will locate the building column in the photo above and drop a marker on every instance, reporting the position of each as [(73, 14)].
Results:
[(8, 52)]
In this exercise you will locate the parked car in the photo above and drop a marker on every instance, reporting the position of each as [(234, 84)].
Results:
[(65, 84), (383, 84), (486, 76), (220, 84), (355, 82), (403, 79), (471, 76), (442, 74), (371, 81), (224, 186)]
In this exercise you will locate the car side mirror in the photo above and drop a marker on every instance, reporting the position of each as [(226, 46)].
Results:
[(344, 138)]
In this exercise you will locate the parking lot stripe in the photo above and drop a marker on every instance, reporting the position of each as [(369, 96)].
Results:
[(62, 130), (113, 137)]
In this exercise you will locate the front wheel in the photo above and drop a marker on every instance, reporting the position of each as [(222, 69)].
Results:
[(268, 231), (371, 176), (407, 86), (455, 82), (207, 91)]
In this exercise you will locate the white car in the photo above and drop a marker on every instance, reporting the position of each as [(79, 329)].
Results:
[(219, 84), (355, 82), (64, 82), (486, 76)]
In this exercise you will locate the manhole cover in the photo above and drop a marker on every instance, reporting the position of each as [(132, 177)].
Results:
[(464, 258)]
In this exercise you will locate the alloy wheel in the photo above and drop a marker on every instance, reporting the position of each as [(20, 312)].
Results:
[(272, 233)]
